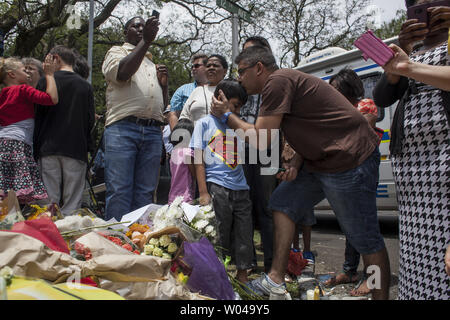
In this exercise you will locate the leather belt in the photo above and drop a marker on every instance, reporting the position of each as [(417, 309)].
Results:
[(144, 122)]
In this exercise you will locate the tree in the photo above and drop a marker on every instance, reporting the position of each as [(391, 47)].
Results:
[(392, 28), (25, 23), (28, 21), (296, 28), (300, 27)]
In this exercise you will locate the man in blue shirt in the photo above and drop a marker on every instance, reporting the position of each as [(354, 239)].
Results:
[(182, 93)]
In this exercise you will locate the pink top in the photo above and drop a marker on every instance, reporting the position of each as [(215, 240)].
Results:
[(182, 183)]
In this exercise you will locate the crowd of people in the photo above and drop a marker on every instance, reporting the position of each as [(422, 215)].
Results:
[(328, 143), (46, 118)]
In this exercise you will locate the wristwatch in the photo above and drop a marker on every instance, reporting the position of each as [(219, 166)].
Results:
[(225, 116)]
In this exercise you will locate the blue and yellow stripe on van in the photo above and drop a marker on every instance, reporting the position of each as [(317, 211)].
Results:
[(382, 191), (385, 138)]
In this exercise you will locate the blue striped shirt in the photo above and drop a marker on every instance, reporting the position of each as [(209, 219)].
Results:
[(181, 95)]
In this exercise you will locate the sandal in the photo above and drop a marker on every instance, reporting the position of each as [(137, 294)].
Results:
[(334, 281), (356, 293)]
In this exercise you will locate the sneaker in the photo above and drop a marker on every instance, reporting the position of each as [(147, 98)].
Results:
[(308, 255), (263, 287), (310, 267)]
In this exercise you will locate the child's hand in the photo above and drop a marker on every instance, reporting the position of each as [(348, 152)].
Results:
[(204, 199), (50, 65)]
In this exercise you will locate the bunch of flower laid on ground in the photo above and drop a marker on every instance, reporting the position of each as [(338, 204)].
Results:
[(168, 215), (173, 214), (205, 222), (120, 242), (137, 233), (34, 211), (162, 247)]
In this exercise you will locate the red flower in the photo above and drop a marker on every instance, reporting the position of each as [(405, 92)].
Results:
[(127, 246)]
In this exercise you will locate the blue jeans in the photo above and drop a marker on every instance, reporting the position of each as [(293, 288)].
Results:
[(132, 161), (351, 194)]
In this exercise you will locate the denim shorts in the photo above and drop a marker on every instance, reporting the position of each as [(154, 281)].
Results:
[(351, 194), (307, 218)]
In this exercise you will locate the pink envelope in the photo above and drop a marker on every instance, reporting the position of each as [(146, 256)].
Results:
[(373, 48)]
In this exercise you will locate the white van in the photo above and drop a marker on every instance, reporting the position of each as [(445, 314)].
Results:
[(330, 61)]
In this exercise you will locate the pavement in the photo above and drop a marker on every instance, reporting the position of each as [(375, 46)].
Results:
[(328, 244)]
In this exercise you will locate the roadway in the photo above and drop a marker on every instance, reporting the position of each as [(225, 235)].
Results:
[(328, 243)]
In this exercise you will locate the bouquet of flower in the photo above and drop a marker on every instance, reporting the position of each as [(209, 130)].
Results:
[(180, 270), (173, 215), (205, 222), (167, 215), (137, 232), (120, 239), (164, 247), (34, 211)]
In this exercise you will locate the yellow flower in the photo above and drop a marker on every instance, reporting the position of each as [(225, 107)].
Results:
[(38, 212), (182, 278)]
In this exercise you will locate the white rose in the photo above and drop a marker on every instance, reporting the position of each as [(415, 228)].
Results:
[(210, 215), (200, 224), (209, 229), (178, 200), (207, 208), (172, 213), (161, 211)]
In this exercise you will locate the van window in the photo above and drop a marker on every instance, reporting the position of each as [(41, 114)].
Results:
[(369, 82)]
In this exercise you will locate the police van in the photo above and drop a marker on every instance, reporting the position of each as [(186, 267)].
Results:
[(330, 61)]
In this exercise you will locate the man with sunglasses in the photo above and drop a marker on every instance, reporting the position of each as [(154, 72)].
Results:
[(336, 158), (198, 71)]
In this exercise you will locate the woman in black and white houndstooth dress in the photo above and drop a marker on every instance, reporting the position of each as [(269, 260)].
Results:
[(422, 175), (420, 153)]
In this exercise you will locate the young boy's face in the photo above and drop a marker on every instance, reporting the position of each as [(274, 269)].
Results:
[(236, 105)]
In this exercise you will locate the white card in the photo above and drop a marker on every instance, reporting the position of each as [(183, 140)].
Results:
[(189, 210)]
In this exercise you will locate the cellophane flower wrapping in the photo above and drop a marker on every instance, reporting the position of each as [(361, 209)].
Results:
[(10, 212), (208, 276)]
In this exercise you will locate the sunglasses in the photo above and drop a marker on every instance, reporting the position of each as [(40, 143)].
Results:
[(197, 65)]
